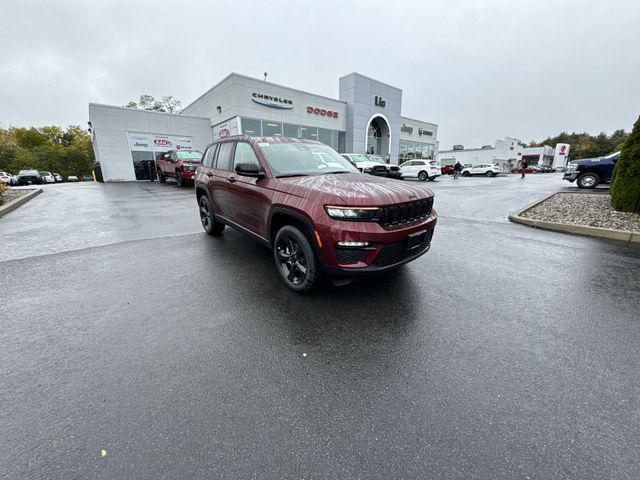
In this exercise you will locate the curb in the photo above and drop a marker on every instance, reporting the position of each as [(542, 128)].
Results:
[(623, 235), (16, 202)]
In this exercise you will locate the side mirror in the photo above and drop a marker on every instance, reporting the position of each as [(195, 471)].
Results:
[(249, 170), (167, 156)]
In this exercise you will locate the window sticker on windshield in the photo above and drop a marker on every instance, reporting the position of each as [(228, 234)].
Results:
[(263, 144)]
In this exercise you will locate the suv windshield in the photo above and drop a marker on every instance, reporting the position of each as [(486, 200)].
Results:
[(359, 158), (292, 159), (376, 158), (28, 172), (190, 155)]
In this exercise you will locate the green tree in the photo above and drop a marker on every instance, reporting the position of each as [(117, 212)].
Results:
[(165, 104), (625, 187)]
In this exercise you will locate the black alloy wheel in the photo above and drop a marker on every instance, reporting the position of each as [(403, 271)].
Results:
[(295, 259), (422, 176), (209, 223)]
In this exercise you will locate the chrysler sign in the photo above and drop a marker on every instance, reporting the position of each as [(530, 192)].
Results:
[(273, 102)]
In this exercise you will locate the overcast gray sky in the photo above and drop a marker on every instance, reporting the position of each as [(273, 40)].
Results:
[(479, 69)]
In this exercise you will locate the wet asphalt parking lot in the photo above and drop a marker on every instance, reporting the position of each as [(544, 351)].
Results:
[(505, 352)]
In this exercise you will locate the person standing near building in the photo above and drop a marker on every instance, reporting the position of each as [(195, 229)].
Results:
[(524, 165), (457, 168)]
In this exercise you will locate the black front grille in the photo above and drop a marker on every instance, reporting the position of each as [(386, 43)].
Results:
[(399, 251), (404, 212), (393, 168), (379, 170), (349, 255)]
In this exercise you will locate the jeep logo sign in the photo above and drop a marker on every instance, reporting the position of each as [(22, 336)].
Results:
[(323, 112)]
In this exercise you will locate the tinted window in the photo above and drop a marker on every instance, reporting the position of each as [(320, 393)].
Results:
[(225, 152), (271, 129), (251, 127), (244, 154), (290, 130), (210, 155)]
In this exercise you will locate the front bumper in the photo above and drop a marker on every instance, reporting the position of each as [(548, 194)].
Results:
[(570, 176), (387, 249)]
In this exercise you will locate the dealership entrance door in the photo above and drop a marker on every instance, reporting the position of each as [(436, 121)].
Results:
[(143, 164), (378, 137)]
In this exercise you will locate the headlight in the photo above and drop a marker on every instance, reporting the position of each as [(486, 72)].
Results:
[(351, 213), (368, 170), (572, 166)]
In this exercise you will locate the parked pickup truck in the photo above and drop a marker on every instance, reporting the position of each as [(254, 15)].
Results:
[(590, 172), (178, 164)]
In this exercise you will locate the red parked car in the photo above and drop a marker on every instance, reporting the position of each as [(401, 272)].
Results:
[(178, 164), (312, 208), (447, 169)]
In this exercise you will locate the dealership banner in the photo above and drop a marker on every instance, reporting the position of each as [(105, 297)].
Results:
[(157, 142)]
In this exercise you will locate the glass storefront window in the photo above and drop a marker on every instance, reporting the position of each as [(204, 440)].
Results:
[(251, 127), (325, 136), (309, 132), (411, 150), (271, 129), (290, 130)]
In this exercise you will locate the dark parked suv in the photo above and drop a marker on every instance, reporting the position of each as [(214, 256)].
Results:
[(312, 208)]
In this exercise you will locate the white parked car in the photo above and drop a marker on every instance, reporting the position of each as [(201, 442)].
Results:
[(488, 169), (5, 178), (372, 164), (47, 177), (420, 169)]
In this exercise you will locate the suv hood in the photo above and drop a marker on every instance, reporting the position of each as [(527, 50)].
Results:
[(353, 189)]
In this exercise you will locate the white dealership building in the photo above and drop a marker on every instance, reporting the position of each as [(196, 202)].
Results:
[(365, 118), (508, 154)]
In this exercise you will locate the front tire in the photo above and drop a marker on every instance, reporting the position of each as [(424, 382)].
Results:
[(422, 176), (295, 260), (179, 181), (161, 177), (466, 174), (209, 222), (490, 174), (588, 180)]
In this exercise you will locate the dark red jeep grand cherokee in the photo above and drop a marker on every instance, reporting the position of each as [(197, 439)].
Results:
[(312, 208)]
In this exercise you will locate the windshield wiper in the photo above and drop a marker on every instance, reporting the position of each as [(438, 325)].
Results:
[(339, 171), (292, 175)]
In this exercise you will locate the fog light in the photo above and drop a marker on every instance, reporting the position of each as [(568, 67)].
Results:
[(353, 244)]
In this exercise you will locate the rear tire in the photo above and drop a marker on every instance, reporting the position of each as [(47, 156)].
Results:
[(422, 176), (208, 220), (588, 180), (295, 260)]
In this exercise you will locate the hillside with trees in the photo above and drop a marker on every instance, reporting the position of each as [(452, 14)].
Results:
[(585, 145), (65, 151)]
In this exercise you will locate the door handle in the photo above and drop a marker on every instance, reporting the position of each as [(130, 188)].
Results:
[(231, 179)]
